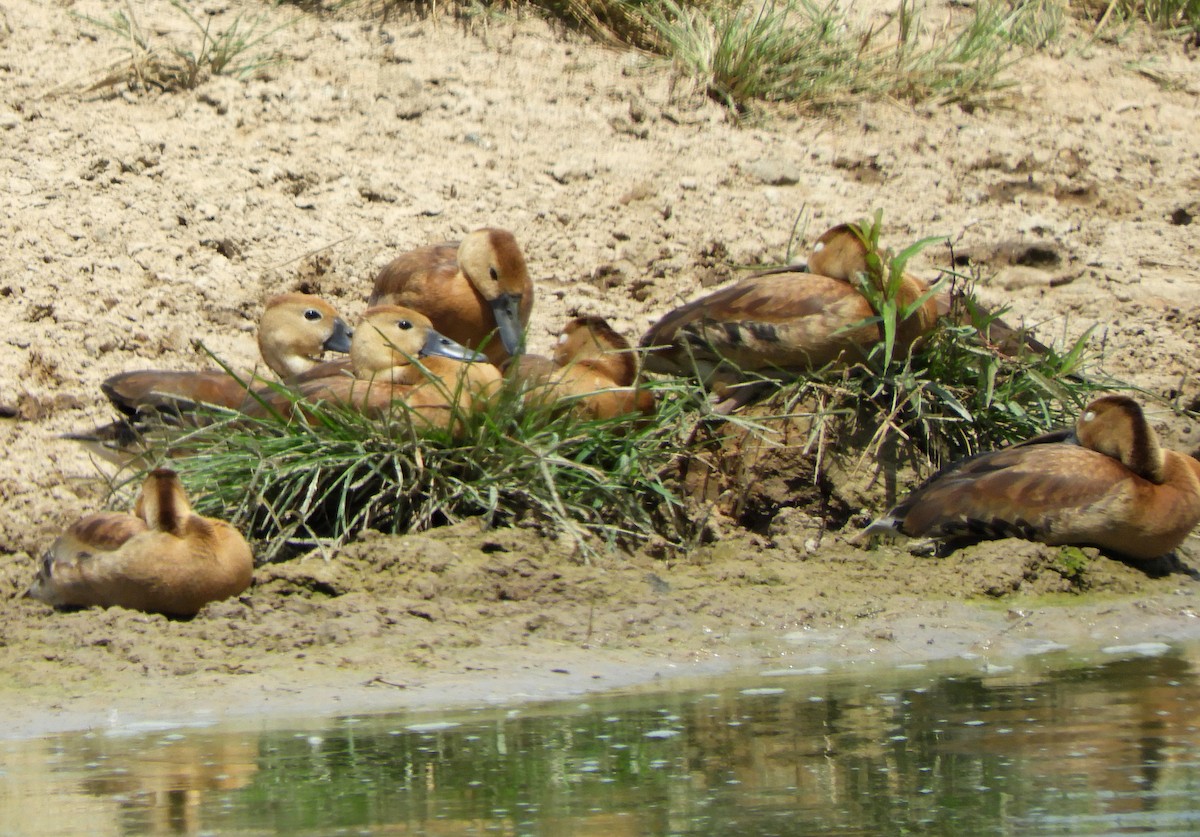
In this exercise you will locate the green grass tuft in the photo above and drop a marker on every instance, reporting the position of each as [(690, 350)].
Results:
[(320, 480)]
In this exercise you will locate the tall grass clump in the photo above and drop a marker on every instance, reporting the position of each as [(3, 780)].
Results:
[(229, 51), (329, 472), (1036, 24), (810, 54), (740, 54)]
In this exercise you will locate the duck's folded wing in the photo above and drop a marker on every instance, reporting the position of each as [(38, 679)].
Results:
[(1040, 492), (782, 318), (158, 390), (101, 532)]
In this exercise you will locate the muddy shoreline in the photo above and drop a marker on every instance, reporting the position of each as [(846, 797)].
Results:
[(463, 617)]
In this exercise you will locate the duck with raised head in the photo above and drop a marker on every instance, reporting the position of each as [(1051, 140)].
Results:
[(782, 322), (295, 330), (163, 558), (594, 369), (477, 292), (1108, 483), (397, 355)]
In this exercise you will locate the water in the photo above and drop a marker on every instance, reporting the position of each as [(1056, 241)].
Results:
[(1054, 747)]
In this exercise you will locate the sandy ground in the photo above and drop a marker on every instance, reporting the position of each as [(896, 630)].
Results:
[(136, 222)]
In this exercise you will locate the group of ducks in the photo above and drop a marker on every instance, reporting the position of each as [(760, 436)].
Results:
[(444, 331), (441, 324)]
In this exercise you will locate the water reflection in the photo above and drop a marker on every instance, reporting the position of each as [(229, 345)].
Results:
[(1110, 748)]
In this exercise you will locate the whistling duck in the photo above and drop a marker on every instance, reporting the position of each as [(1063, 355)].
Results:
[(293, 333), (594, 368), (469, 290), (396, 355), (782, 321), (163, 558), (1106, 484), (841, 253)]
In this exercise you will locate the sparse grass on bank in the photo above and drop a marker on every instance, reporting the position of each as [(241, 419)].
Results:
[(184, 66), (807, 54), (1179, 16), (812, 55)]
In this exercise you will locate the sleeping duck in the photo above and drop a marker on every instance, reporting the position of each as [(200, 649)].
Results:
[(1107, 483), (784, 322), (594, 369), (163, 558)]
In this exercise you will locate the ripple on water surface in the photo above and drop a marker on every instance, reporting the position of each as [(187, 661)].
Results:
[(1048, 746)]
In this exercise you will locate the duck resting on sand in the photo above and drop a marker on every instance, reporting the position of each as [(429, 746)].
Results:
[(1107, 484), (163, 558), (294, 332), (782, 322), (842, 253), (594, 369)]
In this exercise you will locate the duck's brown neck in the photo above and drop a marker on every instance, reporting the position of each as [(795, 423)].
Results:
[(620, 367), (1144, 456), (1123, 433), (162, 505)]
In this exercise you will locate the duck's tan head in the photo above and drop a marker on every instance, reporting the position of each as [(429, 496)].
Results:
[(391, 336), (296, 329), (1115, 426), (162, 503), (839, 253), (593, 341), (493, 262)]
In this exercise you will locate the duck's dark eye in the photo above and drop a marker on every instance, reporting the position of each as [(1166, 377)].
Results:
[(404, 325), (494, 274), (312, 314)]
